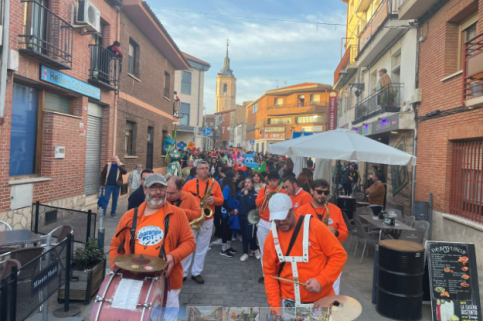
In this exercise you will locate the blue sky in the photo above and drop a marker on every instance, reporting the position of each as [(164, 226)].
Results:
[(261, 51)]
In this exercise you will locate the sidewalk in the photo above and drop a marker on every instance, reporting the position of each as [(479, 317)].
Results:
[(231, 283)]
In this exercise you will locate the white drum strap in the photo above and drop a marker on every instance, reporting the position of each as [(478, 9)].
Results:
[(294, 259)]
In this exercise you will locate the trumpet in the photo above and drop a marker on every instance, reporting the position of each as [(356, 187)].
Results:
[(264, 206), (206, 211)]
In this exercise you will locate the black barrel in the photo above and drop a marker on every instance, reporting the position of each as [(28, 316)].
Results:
[(347, 205), (400, 280)]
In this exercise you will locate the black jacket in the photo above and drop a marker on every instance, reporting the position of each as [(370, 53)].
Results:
[(247, 202), (136, 198)]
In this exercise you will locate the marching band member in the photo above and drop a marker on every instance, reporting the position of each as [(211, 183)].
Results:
[(314, 256), (296, 193), (198, 187), (328, 213), (172, 240), (184, 200), (263, 226)]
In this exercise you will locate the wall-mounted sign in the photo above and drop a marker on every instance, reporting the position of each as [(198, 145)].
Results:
[(380, 126), (275, 135), (59, 152), (332, 119), (275, 129), (43, 279), (62, 80)]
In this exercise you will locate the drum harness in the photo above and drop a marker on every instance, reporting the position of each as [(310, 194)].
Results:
[(305, 219), (132, 243)]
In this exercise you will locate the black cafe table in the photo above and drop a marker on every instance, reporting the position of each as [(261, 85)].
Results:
[(18, 237), (374, 221)]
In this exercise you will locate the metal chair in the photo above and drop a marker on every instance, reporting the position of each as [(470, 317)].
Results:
[(413, 236), (364, 210), (371, 237), (397, 212), (26, 255), (421, 226), (64, 231), (7, 268), (350, 227), (410, 221), (4, 226), (360, 197)]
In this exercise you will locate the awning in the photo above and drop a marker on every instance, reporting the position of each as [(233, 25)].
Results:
[(300, 134)]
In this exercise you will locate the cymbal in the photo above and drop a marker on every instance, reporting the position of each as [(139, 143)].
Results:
[(344, 308), (140, 263)]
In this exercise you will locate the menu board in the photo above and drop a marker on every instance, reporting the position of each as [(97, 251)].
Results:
[(454, 281)]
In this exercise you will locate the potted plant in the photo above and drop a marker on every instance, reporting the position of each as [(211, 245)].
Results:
[(88, 271), (391, 98)]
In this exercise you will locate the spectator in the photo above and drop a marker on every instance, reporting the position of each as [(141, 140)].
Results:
[(354, 178), (134, 180), (258, 181), (281, 171), (310, 164), (138, 196), (111, 178), (376, 193), (305, 180), (247, 198)]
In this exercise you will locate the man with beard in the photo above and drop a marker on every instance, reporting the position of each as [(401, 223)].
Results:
[(301, 249), (144, 230), (320, 209), (198, 187), (296, 193)]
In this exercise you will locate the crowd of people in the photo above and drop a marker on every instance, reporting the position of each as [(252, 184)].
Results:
[(207, 205)]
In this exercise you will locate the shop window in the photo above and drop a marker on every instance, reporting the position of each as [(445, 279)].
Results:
[(133, 64), (308, 119), (185, 114), (23, 139), (129, 138), (278, 121), (186, 82), (167, 83), (57, 102)]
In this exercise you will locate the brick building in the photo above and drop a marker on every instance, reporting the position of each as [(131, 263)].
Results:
[(67, 95), (450, 134), (278, 113), (210, 121), (222, 133), (145, 108)]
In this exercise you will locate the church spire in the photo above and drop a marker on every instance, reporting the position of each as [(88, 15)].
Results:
[(226, 71)]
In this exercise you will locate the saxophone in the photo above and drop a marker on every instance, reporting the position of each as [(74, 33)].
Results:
[(268, 197), (206, 211), (326, 218)]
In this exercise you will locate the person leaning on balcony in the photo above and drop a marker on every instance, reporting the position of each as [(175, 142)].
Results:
[(383, 83), (114, 48)]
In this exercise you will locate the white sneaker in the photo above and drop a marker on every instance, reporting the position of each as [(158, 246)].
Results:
[(257, 254), (217, 242), (233, 239), (244, 257)]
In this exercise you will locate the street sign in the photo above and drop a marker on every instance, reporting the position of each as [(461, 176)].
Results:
[(207, 131), (252, 142)]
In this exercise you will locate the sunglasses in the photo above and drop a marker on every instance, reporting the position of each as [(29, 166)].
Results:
[(322, 192)]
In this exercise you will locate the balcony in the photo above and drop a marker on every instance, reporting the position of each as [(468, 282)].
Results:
[(379, 32), (250, 127), (300, 108), (415, 9), (346, 66), (363, 5), (473, 73), (105, 68), (387, 99), (46, 37)]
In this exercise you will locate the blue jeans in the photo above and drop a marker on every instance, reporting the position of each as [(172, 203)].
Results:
[(114, 189), (247, 234)]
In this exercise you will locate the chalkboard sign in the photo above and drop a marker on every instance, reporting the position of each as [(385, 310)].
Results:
[(453, 281)]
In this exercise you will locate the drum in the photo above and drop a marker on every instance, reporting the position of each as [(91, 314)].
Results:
[(129, 296)]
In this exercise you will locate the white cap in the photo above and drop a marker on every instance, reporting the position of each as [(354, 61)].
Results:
[(279, 206)]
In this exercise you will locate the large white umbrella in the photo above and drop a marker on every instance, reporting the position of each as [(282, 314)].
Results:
[(343, 144)]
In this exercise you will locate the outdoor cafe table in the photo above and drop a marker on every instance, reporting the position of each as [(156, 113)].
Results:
[(18, 237), (376, 222)]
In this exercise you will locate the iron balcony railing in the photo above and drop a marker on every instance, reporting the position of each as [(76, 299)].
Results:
[(105, 67), (348, 58), (387, 99), (46, 37), (473, 68)]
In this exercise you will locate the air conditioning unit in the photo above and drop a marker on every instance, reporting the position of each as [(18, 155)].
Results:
[(88, 16)]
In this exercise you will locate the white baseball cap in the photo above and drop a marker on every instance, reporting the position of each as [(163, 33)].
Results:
[(279, 206)]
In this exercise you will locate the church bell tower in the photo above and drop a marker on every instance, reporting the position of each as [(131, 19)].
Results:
[(225, 87)]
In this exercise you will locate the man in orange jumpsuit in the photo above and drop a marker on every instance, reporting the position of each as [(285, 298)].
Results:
[(184, 200), (316, 257), (152, 236), (263, 226), (298, 196), (319, 208), (198, 187)]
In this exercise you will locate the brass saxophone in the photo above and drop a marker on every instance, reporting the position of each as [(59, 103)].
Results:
[(268, 197), (326, 218), (206, 211)]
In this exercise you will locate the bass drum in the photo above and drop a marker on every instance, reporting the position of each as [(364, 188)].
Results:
[(127, 296)]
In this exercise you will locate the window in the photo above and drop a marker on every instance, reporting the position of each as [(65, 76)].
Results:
[(278, 101), (263, 147), (279, 121), (57, 103), (225, 89), (167, 83), (466, 180), (314, 99), (186, 82), (308, 119), (223, 117), (129, 139), (257, 147), (300, 100), (23, 139), (223, 130), (254, 108), (232, 116), (185, 114), (133, 64), (468, 32)]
